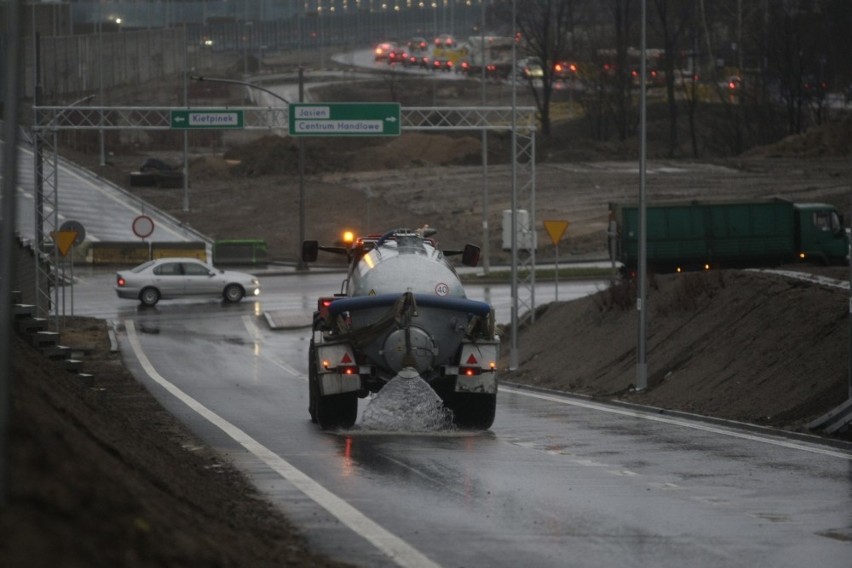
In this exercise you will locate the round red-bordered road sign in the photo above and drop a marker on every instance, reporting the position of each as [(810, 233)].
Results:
[(143, 226)]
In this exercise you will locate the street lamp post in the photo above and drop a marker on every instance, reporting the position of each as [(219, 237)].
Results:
[(642, 292), (486, 264), (101, 141), (300, 264)]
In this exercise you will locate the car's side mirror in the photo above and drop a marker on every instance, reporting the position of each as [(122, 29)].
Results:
[(310, 250), (470, 256)]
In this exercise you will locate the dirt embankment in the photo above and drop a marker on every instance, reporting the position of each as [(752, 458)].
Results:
[(754, 347), (103, 475)]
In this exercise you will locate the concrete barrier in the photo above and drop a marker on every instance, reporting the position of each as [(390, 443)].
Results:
[(192, 249), (135, 252), (120, 253)]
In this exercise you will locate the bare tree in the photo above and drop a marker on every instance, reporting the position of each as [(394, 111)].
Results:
[(799, 45), (546, 29), (673, 19), (622, 19)]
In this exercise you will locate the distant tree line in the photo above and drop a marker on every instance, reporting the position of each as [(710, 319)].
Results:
[(766, 66)]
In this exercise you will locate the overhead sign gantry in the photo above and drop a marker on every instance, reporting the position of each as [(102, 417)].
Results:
[(521, 121)]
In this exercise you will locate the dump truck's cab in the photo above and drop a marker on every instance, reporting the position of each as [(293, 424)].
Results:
[(821, 236), (401, 306)]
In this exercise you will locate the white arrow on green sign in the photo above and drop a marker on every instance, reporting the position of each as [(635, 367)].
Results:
[(344, 119), (206, 118)]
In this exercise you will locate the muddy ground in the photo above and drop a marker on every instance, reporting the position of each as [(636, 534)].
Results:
[(101, 475)]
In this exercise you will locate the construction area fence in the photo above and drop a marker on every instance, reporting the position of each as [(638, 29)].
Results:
[(135, 252), (91, 62)]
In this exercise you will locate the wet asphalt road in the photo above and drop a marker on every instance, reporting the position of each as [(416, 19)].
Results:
[(556, 481)]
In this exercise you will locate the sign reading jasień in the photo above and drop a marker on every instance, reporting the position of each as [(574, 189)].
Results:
[(206, 118), (344, 119)]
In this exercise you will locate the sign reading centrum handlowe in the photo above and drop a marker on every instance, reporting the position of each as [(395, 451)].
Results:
[(344, 119)]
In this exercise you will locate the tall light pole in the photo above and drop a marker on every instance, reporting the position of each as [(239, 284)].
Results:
[(435, 17), (245, 38), (642, 293), (486, 264), (101, 141), (300, 264), (513, 349), (185, 204)]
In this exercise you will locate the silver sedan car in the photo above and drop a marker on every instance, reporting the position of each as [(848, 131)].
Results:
[(168, 278)]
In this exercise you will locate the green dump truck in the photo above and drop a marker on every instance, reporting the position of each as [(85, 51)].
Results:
[(698, 235)]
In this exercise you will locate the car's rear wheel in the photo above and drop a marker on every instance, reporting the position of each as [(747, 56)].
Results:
[(149, 296), (312, 383), (233, 293)]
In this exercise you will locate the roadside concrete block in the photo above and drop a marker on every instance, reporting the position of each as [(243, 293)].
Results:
[(27, 326), (56, 352), (45, 339)]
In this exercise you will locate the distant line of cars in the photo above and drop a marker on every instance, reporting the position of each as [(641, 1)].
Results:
[(414, 53), (447, 54)]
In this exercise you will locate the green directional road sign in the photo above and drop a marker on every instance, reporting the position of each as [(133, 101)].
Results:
[(344, 119), (206, 118)]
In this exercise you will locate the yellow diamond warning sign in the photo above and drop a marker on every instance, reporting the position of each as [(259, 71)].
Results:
[(555, 229)]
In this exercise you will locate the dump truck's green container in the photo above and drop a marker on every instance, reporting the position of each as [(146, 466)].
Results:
[(695, 235)]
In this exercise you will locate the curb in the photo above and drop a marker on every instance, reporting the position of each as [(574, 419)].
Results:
[(732, 424)]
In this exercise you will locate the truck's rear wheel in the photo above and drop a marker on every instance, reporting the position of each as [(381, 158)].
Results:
[(313, 396), (473, 411), (313, 388), (336, 410)]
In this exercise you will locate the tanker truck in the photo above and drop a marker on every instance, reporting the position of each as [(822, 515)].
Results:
[(494, 52), (401, 312), (700, 235)]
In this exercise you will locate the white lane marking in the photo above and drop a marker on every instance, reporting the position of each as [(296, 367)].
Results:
[(684, 423), (290, 370), (252, 329), (256, 336), (399, 551)]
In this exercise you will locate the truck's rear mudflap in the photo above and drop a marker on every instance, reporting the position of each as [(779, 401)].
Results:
[(477, 368), (337, 369)]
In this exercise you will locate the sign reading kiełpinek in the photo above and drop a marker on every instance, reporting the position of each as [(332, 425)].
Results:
[(344, 119), (206, 118)]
